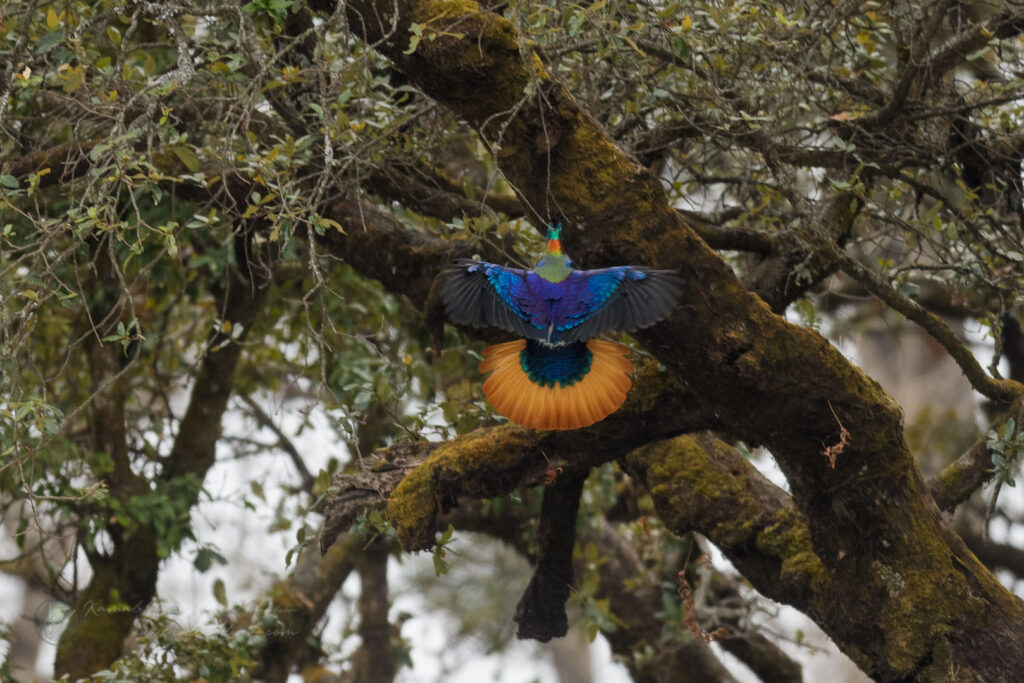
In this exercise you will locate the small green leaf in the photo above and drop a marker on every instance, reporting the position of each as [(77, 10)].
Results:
[(440, 564), (47, 42), (323, 482), (382, 387), (220, 593), (977, 53), (203, 560), (187, 156), (466, 423), (9, 182), (20, 536), (681, 47)]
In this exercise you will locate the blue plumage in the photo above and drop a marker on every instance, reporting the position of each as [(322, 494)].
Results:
[(579, 306), (543, 304), (555, 365)]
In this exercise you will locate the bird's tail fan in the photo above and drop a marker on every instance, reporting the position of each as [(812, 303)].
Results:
[(556, 387)]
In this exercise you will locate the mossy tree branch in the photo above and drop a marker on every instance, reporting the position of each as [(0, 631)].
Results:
[(418, 481), (627, 581), (300, 602), (972, 470), (701, 484), (760, 519), (751, 519)]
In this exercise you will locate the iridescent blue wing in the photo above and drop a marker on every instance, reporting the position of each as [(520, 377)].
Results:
[(484, 294), (622, 298)]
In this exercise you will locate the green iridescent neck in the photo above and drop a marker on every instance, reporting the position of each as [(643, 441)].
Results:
[(555, 266), (555, 238)]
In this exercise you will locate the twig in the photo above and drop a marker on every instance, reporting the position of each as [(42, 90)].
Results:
[(999, 390), (686, 593), (283, 442), (836, 449)]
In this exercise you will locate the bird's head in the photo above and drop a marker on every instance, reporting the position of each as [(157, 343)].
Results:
[(554, 265)]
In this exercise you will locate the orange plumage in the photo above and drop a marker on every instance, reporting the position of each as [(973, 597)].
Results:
[(599, 393)]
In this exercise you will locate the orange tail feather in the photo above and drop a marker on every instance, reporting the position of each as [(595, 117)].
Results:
[(592, 398)]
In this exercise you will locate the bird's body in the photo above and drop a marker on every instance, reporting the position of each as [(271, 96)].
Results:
[(559, 377)]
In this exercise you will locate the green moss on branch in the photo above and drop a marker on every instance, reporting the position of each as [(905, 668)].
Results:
[(459, 464), (702, 484)]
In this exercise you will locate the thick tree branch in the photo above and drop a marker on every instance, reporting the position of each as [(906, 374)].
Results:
[(418, 481), (378, 246), (701, 484), (752, 515), (783, 277), (995, 555), (972, 470), (300, 602), (195, 445), (96, 632), (374, 661), (430, 191), (723, 237), (766, 659)]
